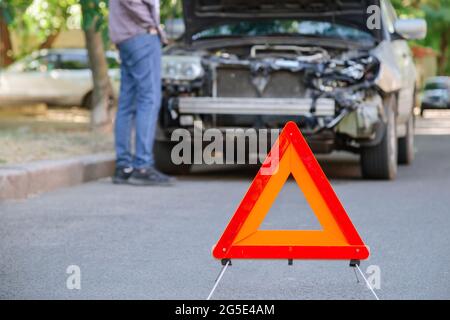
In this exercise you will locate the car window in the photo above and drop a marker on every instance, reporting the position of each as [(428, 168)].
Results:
[(73, 61), (435, 86), (42, 63), (19, 66), (288, 27), (66, 61), (80, 61)]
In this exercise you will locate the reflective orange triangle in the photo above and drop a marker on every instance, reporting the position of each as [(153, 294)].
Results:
[(338, 238)]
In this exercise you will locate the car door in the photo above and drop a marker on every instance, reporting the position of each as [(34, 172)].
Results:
[(28, 81), (71, 78)]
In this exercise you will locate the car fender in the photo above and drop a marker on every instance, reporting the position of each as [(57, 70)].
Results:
[(389, 78)]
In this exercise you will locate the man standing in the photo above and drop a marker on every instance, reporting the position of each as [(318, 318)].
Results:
[(134, 26)]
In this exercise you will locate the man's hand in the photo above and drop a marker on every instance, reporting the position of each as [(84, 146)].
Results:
[(163, 36)]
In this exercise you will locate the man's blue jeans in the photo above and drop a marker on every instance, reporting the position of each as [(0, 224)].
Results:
[(139, 100)]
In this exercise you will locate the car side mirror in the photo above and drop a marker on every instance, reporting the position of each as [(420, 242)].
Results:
[(411, 29), (174, 28)]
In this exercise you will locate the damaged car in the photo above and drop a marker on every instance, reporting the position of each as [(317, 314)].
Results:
[(347, 83)]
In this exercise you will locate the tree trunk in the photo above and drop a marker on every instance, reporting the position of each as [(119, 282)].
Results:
[(47, 44), (5, 44), (442, 61), (102, 93)]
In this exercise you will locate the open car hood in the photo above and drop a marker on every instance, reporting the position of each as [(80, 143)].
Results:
[(202, 14)]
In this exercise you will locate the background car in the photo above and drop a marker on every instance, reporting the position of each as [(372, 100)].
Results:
[(54, 76), (436, 94)]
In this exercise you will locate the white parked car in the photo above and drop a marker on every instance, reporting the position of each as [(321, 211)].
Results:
[(53, 76)]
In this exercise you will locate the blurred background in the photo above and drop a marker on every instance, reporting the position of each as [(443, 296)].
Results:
[(66, 71)]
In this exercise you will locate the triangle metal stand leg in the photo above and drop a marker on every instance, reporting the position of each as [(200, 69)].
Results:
[(356, 275), (225, 263), (355, 264)]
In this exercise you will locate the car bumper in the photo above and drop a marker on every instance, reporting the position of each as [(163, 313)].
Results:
[(324, 126), (256, 106)]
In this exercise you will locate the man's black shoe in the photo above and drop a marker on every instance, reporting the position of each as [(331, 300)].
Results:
[(121, 175), (150, 177)]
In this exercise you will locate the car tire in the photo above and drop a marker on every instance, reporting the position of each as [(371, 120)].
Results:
[(422, 110), (87, 101), (406, 144), (380, 161), (162, 152)]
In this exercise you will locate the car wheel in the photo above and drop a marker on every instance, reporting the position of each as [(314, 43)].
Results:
[(162, 151), (380, 161), (406, 144), (87, 101)]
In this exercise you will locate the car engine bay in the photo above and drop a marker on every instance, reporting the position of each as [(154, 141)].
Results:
[(347, 77)]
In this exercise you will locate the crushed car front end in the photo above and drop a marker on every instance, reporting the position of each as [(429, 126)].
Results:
[(330, 94), (252, 64)]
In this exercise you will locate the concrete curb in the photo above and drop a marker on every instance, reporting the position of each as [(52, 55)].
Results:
[(21, 181)]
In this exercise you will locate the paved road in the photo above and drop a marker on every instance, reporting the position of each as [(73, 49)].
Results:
[(155, 243)]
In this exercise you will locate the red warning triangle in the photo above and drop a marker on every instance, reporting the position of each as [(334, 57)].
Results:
[(337, 240)]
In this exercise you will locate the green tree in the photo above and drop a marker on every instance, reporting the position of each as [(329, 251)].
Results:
[(171, 9), (11, 12), (47, 19), (95, 21), (437, 15), (36, 23), (95, 29)]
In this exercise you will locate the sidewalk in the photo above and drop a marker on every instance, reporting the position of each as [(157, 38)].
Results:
[(22, 181), (42, 149)]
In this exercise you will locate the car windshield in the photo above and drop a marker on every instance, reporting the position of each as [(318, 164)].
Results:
[(285, 27), (435, 86), (65, 61), (38, 63), (73, 61)]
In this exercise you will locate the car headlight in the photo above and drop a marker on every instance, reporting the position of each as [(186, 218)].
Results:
[(181, 68)]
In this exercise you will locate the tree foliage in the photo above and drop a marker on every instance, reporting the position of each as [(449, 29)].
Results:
[(437, 15), (12, 9), (35, 23), (171, 9), (95, 29), (11, 12), (40, 19), (95, 14)]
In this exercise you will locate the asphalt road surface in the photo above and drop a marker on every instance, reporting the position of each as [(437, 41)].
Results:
[(155, 242)]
